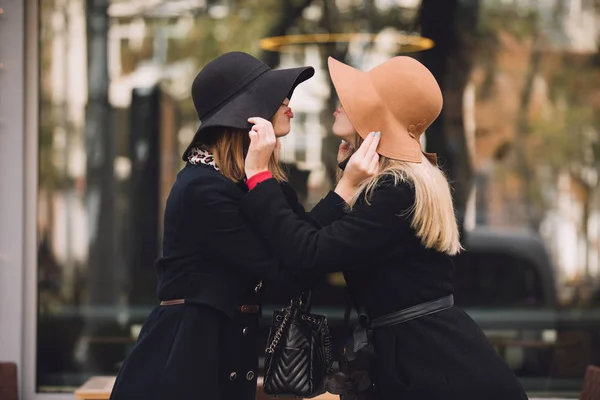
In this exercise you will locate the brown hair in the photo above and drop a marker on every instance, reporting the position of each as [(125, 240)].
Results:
[(230, 146)]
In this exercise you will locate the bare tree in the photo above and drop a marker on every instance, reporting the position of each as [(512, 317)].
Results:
[(451, 25), (99, 143), (290, 14)]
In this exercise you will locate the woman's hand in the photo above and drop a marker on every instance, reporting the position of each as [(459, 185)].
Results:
[(363, 164), (262, 144)]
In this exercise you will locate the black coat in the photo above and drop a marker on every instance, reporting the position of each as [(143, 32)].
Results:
[(442, 356), (206, 348)]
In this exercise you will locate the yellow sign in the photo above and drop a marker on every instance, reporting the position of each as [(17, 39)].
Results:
[(407, 43)]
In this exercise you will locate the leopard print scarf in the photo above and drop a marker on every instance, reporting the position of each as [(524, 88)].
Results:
[(199, 155)]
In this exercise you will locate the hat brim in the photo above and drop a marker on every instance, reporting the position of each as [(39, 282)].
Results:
[(368, 113), (261, 98)]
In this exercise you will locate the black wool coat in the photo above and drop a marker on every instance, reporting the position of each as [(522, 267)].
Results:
[(206, 348), (443, 356)]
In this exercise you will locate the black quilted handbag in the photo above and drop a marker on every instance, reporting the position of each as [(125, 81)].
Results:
[(298, 354)]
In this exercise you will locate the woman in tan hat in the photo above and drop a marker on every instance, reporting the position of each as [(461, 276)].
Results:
[(394, 245)]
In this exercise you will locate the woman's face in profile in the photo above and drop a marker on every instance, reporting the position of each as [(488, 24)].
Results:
[(282, 119), (342, 127)]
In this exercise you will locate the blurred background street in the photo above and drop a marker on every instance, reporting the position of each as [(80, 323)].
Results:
[(101, 112)]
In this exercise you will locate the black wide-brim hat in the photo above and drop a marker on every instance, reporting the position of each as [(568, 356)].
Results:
[(236, 86)]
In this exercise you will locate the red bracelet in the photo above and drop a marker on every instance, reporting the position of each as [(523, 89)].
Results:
[(258, 178)]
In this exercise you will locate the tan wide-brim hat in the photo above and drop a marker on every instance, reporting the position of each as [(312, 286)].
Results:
[(399, 98)]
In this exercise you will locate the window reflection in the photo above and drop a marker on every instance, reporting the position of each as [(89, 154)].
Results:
[(518, 138)]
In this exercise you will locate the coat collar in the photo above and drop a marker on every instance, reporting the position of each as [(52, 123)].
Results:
[(198, 155)]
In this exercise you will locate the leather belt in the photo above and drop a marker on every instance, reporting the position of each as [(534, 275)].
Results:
[(414, 312), (172, 302), (244, 308), (361, 336)]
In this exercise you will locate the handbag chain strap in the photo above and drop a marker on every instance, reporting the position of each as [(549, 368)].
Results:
[(295, 302), (279, 332), (310, 319)]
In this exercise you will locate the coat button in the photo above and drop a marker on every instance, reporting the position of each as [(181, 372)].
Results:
[(258, 287), (250, 375), (232, 376), (245, 331)]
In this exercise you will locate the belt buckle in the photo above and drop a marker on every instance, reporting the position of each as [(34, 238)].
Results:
[(249, 308)]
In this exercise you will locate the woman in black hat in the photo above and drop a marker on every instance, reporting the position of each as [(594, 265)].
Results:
[(201, 341)]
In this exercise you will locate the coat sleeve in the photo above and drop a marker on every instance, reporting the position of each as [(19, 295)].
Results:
[(226, 231), (352, 242), (329, 209)]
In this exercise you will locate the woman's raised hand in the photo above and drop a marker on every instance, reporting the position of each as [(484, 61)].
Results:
[(262, 145), (363, 164)]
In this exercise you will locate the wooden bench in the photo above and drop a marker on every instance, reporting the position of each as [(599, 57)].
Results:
[(8, 381), (99, 388), (591, 386)]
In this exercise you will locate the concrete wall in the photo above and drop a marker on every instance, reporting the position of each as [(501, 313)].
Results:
[(12, 151)]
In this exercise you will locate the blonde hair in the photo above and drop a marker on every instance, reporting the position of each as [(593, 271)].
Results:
[(433, 216), (229, 146)]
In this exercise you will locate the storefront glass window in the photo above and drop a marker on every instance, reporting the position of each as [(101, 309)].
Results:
[(518, 137)]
